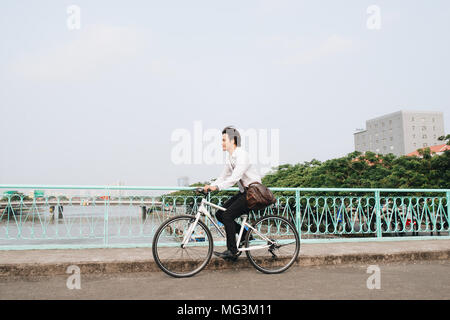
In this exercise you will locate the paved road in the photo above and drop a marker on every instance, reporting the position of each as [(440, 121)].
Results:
[(420, 280)]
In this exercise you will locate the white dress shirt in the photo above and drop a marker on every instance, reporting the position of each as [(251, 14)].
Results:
[(238, 169)]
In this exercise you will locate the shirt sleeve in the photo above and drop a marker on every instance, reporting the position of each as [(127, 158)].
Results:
[(242, 165), (225, 172)]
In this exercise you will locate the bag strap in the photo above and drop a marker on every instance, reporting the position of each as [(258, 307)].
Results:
[(242, 184), (253, 183), (245, 187)]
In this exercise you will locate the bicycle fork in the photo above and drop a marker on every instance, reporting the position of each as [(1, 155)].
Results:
[(189, 231)]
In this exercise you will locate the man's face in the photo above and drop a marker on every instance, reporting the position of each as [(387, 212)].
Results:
[(226, 143)]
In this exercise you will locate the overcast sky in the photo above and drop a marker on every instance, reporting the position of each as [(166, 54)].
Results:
[(103, 103)]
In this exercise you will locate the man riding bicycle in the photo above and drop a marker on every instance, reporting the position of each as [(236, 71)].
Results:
[(238, 169)]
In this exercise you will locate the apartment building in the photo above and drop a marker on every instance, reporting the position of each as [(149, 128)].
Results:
[(401, 132)]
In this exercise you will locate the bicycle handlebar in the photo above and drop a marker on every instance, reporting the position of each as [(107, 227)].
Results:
[(200, 190)]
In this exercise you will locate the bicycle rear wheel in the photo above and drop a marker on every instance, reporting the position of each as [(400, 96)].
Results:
[(278, 254), (175, 260)]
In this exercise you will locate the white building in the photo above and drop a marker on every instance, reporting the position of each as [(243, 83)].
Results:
[(183, 181), (401, 132)]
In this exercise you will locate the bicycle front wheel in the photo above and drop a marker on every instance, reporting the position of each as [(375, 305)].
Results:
[(176, 260), (273, 245)]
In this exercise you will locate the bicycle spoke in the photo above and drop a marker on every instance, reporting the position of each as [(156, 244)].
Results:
[(275, 245), (287, 244)]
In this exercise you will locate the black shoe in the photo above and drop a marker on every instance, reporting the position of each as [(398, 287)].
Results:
[(227, 255)]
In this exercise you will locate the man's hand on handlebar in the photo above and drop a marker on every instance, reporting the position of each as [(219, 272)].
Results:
[(207, 188)]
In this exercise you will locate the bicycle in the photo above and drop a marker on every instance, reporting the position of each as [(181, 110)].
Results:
[(271, 244)]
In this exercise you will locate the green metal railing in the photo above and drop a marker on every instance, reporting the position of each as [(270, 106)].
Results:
[(118, 216)]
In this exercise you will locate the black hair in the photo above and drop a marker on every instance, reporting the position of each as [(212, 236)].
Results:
[(233, 134)]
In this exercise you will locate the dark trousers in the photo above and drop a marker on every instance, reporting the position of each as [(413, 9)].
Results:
[(236, 206)]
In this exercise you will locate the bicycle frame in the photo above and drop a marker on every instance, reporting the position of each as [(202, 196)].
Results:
[(202, 210)]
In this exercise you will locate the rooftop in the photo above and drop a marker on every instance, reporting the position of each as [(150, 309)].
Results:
[(434, 149), (405, 111)]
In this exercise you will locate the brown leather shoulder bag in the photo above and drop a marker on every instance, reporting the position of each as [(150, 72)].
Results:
[(259, 196)]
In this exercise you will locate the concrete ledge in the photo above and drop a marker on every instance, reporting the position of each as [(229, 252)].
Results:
[(32, 263)]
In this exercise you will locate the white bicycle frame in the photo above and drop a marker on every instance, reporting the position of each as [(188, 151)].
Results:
[(202, 210)]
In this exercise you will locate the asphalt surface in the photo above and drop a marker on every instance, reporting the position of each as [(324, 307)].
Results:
[(52, 262), (403, 280)]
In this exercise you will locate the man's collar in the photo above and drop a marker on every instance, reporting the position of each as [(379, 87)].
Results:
[(234, 151)]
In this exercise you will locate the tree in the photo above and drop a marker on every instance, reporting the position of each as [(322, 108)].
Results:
[(367, 170), (356, 170)]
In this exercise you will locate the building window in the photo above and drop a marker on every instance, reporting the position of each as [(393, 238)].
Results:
[(415, 144), (412, 118), (432, 119), (384, 147), (425, 145), (392, 147), (424, 136), (424, 128), (434, 136), (414, 127), (390, 122), (391, 138), (434, 128), (414, 136), (382, 124)]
